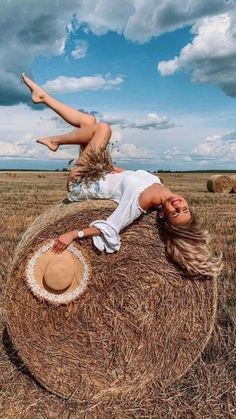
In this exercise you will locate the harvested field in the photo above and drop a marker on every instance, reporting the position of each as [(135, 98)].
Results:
[(207, 391)]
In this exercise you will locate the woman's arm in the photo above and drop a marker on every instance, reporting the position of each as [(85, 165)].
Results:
[(151, 196), (64, 240), (122, 216)]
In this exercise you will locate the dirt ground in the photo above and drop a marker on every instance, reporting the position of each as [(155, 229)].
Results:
[(208, 390)]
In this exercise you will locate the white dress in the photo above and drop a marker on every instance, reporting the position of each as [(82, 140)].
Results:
[(123, 188)]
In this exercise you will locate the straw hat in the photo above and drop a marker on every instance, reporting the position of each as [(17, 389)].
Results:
[(57, 278)]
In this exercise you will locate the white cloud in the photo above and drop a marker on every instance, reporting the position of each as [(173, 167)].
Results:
[(80, 50), (64, 84), (128, 152), (19, 129), (175, 152), (149, 121), (211, 56), (40, 28), (140, 20), (181, 147), (116, 136), (219, 148)]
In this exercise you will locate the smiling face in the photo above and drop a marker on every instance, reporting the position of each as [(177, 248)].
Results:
[(176, 210)]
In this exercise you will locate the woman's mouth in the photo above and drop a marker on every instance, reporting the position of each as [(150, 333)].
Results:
[(175, 200)]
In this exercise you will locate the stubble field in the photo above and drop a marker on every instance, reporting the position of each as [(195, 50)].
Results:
[(208, 390)]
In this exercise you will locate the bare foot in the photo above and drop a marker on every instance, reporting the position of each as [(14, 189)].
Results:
[(38, 94), (52, 145)]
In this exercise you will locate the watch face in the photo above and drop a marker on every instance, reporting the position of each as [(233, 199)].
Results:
[(80, 234)]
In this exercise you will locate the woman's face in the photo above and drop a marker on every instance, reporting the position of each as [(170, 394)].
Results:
[(176, 210)]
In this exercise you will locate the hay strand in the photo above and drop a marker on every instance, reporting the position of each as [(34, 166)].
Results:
[(219, 184), (95, 164), (139, 326)]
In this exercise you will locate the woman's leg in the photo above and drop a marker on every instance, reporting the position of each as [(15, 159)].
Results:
[(69, 114), (80, 136), (88, 137), (99, 140)]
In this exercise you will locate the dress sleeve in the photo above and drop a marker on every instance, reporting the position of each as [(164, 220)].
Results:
[(126, 212)]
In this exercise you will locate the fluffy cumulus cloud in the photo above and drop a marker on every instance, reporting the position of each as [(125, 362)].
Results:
[(64, 84), (149, 121), (29, 29), (220, 148), (127, 152), (19, 127), (140, 20), (211, 56)]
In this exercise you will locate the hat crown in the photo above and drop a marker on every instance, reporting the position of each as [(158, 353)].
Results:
[(58, 275)]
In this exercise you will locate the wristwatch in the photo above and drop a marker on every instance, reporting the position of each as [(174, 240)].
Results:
[(80, 234)]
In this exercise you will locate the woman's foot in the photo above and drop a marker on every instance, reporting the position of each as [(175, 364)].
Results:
[(52, 145), (38, 94)]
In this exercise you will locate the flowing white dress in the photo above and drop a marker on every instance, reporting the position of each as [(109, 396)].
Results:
[(123, 188)]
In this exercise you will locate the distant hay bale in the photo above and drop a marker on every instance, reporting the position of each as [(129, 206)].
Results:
[(12, 175), (220, 184), (137, 328), (233, 178)]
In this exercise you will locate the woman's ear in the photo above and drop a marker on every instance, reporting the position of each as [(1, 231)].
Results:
[(160, 212)]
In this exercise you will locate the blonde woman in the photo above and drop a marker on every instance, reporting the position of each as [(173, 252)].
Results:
[(134, 191)]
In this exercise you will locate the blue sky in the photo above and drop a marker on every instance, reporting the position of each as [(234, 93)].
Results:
[(161, 73)]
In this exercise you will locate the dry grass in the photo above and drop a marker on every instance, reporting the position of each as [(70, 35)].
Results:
[(207, 391)]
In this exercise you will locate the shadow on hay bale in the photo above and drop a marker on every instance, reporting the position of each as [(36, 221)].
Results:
[(220, 184), (139, 325), (15, 359)]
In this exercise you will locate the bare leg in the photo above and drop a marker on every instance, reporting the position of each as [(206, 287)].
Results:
[(99, 140), (89, 137), (69, 114), (80, 136)]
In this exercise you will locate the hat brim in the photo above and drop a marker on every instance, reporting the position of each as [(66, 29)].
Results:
[(34, 275)]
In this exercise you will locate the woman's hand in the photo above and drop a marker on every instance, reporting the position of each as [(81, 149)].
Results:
[(63, 241), (74, 174)]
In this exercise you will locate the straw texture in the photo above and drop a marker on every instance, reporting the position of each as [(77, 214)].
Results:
[(220, 184), (139, 325), (95, 164)]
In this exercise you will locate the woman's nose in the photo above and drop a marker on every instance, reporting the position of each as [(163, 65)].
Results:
[(177, 205)]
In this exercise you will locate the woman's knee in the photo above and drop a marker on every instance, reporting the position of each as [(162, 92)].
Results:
[(92, 120), (104, 129)]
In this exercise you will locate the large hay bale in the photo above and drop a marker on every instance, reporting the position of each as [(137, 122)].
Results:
[(233, 178), (220, 184), (139, 325)]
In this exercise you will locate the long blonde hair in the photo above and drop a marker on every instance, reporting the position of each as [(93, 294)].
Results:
[(188, 246)]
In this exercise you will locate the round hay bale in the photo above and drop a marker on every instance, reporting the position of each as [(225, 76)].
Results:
[(220, 184), (139, 325), (233, 178)]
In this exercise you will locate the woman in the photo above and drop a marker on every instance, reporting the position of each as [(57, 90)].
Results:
[(134, 191)]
